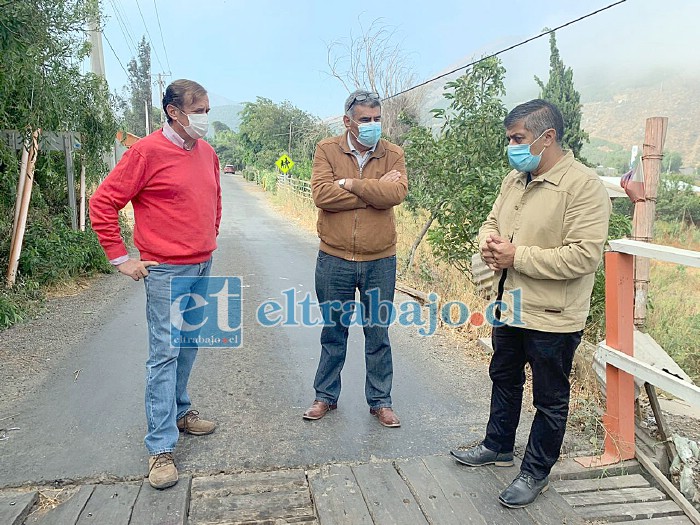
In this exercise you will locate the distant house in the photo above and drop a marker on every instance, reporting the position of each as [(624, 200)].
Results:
[(124, 141)]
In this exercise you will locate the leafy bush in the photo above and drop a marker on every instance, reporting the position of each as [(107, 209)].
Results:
[(620, 226), (676, 200)]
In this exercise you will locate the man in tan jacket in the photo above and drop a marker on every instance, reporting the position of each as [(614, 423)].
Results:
[(544, 238), (356, 181)]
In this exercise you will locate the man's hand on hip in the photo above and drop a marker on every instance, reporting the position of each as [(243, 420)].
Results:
[(135, 268)]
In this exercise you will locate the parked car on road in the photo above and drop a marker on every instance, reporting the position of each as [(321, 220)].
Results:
[(229, 168)]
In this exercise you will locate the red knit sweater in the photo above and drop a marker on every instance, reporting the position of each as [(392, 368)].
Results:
[(176, 196)]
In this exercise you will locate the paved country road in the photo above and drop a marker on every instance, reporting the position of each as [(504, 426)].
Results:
[(79, 400)]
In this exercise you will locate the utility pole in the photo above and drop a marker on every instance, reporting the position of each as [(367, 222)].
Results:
[(97, 59), (161, 87), (289, 147), (148, 120)]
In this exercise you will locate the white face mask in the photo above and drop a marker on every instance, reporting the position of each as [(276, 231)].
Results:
[(199, 124)]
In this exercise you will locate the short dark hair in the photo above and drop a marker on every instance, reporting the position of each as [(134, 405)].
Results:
[(181, 93), (368, 99), (538, 116)]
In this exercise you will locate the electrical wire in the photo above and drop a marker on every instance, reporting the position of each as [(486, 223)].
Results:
[(504, 50)]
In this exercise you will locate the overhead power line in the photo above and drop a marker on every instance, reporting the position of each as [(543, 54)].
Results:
[(115, 54), (506, 49), (149, 36), (160, 28), (121, 22)]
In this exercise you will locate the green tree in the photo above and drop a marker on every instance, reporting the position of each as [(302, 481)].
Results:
[(672, 162), (455, 176), (139, 92), (219, 126), (561, 92), (268, 130), (42, 46)]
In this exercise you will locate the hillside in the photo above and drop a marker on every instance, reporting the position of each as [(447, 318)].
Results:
[(620, 117), (228, 114)]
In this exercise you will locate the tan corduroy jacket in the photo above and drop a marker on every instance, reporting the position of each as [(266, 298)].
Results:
[(559, 225), (357, 225)]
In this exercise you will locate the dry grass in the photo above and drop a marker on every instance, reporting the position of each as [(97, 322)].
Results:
[(673, 319), (426, 274)]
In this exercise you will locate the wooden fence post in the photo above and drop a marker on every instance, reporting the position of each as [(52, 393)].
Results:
[(18, 233), (645, 211)]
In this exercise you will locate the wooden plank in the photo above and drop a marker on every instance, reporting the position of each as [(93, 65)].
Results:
[(162, 507), (630, 511), (667, 520), (388, 498), (669, 487), (433, 501), (657, 251), (249, 482), (549, 508), (569, 469), (267, 507), (474, 486), (270, 497), (337, 496), (15, 506), (603, 497), (588, 485), (68, 512), (671, 384), (110, 504)]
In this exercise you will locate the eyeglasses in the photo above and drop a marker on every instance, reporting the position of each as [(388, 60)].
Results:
[(361, 98)]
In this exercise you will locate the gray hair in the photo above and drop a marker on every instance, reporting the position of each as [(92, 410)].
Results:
[(538, 116), (181, 93), (366, 98)]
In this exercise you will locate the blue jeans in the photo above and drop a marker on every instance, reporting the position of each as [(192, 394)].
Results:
[(550, 356), (168, 367), (336, 280)]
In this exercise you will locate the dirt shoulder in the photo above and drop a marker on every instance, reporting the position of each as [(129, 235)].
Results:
[(29, 350)]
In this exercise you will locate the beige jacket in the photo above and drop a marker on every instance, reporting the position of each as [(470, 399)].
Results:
[(357, 225), (559, 225)]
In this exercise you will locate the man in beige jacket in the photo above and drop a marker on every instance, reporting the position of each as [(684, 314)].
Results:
[(544, 238), (357, 179)]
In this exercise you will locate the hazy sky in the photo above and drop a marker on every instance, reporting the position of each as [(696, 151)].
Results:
[(240, 49)]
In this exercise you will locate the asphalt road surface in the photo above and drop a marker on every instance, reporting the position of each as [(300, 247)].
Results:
[(92, 426)]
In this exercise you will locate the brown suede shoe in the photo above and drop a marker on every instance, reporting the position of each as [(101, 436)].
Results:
[(162, 472), (191, 423), (386, 417), (317, 410)]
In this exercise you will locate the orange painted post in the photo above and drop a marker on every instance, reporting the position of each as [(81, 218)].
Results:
[(619, 386), (619, 334)]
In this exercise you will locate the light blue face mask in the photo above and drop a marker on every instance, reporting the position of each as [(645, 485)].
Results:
[(521, 159), (370, 132)]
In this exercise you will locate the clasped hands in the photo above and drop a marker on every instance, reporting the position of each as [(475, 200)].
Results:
[(498, 253)]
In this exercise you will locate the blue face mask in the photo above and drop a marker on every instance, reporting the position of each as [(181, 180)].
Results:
[(370, 132), (521, 159)]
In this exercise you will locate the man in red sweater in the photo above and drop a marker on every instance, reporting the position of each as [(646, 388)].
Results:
[(172, 179)]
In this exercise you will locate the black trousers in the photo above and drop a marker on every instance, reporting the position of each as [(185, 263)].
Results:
[(550, 356)]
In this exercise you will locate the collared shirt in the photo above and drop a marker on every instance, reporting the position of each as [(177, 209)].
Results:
[(172, 136), (176, 139), (361, 157)]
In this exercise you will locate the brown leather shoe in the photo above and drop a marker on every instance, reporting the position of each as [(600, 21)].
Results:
[(191, 423), (317, 410), (386, 417), (162, 472)]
